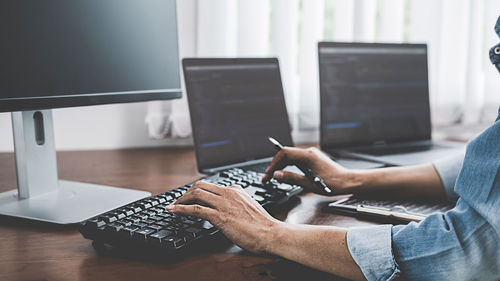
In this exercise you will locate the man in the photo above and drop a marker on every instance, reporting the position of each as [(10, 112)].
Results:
[(461, 244)]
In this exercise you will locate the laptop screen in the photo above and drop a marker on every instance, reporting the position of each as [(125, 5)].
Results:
[(235, 104), (373, 93)]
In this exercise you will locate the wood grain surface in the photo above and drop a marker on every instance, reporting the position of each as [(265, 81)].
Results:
[(39, 251)]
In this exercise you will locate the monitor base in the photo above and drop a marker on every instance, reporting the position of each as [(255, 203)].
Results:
[(71, 202)]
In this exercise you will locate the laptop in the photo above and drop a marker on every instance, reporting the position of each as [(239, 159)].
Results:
[(375, 103), (235, 104)]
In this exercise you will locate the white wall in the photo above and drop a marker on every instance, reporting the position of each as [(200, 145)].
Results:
[(95, 127)]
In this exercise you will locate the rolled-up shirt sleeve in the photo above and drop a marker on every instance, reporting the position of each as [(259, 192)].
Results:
[(371, 249), (448, 169), (441, 247)]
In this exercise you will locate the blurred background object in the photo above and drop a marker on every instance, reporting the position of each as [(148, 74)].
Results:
[(464, 86)]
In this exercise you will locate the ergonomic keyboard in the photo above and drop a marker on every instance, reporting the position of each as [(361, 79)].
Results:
[(146, 225), (390, 209)]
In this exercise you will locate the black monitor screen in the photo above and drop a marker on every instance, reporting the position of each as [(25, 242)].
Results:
[(62, 53), (235, 104), (373, 93)]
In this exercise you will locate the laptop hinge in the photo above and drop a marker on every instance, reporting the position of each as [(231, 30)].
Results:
[(237, 165)]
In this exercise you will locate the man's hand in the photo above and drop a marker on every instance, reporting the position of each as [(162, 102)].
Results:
[(248, 225), (338, 178), (231, 210)]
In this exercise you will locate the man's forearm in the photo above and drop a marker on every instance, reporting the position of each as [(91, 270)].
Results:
[(420, 181), (320, 247)]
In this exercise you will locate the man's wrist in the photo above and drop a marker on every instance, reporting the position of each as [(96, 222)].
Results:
[(354, 181), (274, 237)]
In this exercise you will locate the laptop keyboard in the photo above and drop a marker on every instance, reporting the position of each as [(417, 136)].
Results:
[(145, 224), (401, 210)]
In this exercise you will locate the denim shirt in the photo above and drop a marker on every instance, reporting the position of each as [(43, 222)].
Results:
[(495, 50), (461, 244)]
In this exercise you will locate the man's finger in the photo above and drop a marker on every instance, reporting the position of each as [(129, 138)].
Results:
[(293, 178), (286, 156), (201, 196), (194, 210), (210, 187)]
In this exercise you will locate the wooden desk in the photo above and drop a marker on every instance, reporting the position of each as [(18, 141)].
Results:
[(39, 251)]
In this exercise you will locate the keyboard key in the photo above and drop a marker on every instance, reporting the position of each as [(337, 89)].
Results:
[(149, 213), (284, 187), (259, 198), (125, 222), (193, 232), (155, 227), (127, 231), (109, 218), (151, 202), (148, 221), (140, 224), (134, 219), (113, 227), (173, 242), (162, 223), (129, 212), (143, 233), (136, 209), (206, 225), (159, 236), (120, 215), (142, 216), (95, 223), (144, 206)]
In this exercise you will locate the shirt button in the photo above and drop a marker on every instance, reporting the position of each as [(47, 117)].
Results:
[(497, 50)]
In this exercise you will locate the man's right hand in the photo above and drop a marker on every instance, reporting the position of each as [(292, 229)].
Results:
[(341, 180)]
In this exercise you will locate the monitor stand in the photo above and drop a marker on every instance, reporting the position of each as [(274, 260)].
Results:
[(40, 195)]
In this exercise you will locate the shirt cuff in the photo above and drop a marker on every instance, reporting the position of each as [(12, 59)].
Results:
[(448, 169), (371, 249)]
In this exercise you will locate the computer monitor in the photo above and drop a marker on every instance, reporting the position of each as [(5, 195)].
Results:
[(58, 53)]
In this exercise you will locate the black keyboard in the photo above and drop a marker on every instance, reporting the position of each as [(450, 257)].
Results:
[(146, 225)]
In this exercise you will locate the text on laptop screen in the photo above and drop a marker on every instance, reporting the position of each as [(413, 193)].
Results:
[(234, 105), (373, 93)]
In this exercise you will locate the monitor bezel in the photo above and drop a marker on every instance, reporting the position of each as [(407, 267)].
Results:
[(52, 102)]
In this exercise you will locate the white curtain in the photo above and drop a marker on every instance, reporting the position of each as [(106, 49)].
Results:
[(464, 86)]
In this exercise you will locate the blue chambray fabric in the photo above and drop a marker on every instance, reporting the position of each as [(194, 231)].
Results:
[(461, 244), (478, 182), (495, 50)]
